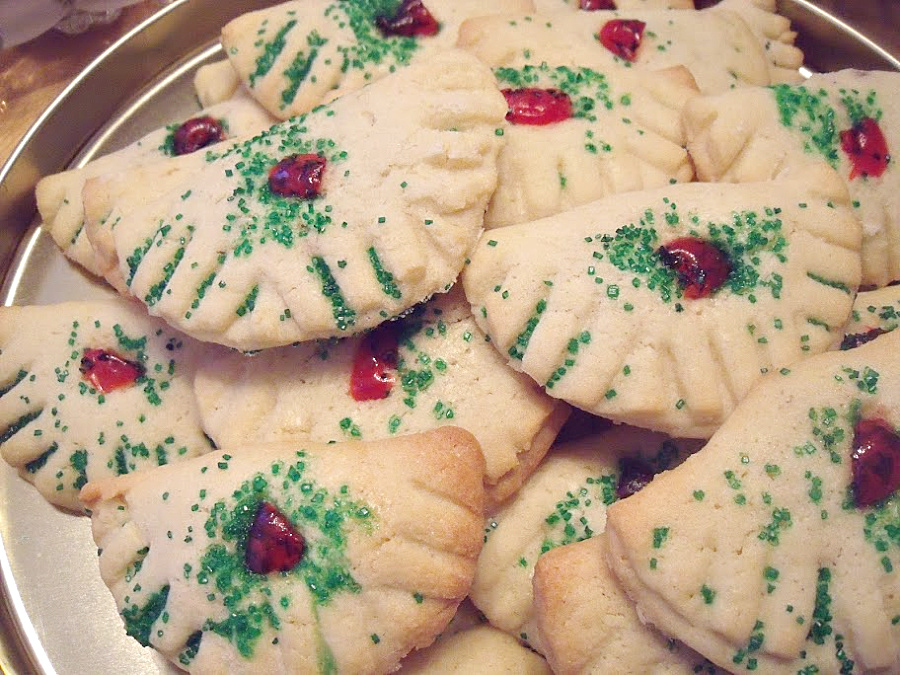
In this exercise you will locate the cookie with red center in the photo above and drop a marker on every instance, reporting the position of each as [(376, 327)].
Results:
[(771, 548), (663, 308), (296, 55), (563, 502), (544, 6), (849, 120), (319, 227), (429, 369), (282, 556), (90, 390), (576, 134), (59, 198)]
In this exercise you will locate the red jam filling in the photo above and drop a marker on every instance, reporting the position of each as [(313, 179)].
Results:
[(411, 19), (107, 371), (700, 266), (854, 340), (864, 144), (634, 475), (595, 5), (622, 37), (273, 545), (196, 133), (375, 364), (876, 461), (298, 176), (537, 107)]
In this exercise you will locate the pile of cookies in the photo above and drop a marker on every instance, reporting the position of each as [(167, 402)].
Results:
[(532, 336)]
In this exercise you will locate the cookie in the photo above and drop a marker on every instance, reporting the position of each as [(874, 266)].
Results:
[(639, 39), (322, 226), (291, 557), (874, 313), (774, 547), (59, 195), (216, 82), (563, 502), (774, 33), (849, 120), (480, 650), (543, 6), (662, 308), (589, 625), (90, 390), (618, 131), (431, 368), (297, 55)]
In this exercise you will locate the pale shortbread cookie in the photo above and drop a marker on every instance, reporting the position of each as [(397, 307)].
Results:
[(410, 163), (59, 428), (297, 55), (774, 33), (874, 313), (390, 534), (543, 6), (670, 38), (216, 82), (563, 502), (589, 625), (625, 135), (758, 134), (443, 373), (754, 551), (595, 315), (59, 195), (480, 650)]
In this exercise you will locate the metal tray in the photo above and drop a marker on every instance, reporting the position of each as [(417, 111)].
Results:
[(55, 614)]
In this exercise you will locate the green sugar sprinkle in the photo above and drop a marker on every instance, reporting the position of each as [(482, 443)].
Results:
[(270, 52), (385, 278), (344, 316), (517, 351)]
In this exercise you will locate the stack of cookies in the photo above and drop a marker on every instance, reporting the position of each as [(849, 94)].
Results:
[(535, 336)]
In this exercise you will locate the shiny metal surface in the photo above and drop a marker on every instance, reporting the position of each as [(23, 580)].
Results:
[(56, 615)]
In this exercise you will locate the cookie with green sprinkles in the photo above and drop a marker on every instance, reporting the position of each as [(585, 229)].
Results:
[(59, 198), (618, 131), (636, 39), (290, 557), (662, 308), (296, 55), (589, 625), (90, 390), (874, 313), (565, 501), (775, 548), (848, 120), (431, 368), (322, 226)]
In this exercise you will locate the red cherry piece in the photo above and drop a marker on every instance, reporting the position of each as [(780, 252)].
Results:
[(298, 176), (107, 371), (622, 37), (196, 133), (375, 358), (537, 107), (876, 461), (412, 18), (854, 340), (866, 147), (634, 475), (273, 545), (701, 267), (595, 5)]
